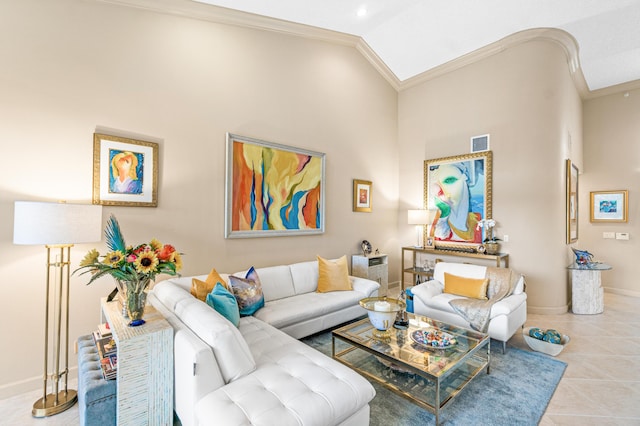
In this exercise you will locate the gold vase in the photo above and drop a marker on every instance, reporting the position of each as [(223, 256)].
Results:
[(492, 247)]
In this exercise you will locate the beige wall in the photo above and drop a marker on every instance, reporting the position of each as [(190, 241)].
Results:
[(70, 67), (525, 99), (612, 162)]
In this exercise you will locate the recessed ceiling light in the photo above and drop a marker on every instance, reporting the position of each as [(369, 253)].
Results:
[(361, 12)]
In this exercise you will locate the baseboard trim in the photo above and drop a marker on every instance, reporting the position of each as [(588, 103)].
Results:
[(31, 384), (540, 310), (621, 291)]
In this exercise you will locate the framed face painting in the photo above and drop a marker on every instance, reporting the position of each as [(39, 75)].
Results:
[(125, 171), (572, 202), (609, 206), (362, 196), (458, 189), (272, 189)]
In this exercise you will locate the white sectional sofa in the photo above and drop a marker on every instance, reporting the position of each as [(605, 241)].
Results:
[(255, 373), (506, 316)]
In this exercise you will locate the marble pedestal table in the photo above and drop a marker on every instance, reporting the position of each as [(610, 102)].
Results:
[(587, 295)]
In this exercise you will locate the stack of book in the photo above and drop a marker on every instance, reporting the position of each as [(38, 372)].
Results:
[(107, 351)]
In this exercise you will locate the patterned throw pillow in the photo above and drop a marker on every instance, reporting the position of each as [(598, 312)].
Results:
[(333, 275), (200, 289), (224, 303), (248, 292)]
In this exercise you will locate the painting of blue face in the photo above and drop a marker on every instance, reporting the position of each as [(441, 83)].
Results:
[(458, 189)]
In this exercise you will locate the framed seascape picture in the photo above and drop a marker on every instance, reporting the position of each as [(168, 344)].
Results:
[(361, 196), (572, 202), (458, 189), (125, 171), (272, 189), (609, 206)]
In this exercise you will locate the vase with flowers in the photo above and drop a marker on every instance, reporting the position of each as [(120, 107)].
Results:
[(132, 267), (490, 241)]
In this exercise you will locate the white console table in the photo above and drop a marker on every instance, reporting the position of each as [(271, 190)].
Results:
[(145, 367), (587, 295)]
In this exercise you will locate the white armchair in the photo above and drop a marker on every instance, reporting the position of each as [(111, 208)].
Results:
[(506, 316)]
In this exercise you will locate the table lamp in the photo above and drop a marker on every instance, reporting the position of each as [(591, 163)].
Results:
[(57, 226), (418, 218)]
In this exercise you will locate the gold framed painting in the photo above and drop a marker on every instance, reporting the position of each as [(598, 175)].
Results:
[(609, 206), (362, 196), (459, 190), (273, 190), (125, 171), (572, 201)]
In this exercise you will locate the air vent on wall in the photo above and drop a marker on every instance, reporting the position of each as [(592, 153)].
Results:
[(480, 143)]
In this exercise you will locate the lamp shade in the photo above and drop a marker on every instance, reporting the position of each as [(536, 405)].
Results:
[(56, 223), (418, 217)]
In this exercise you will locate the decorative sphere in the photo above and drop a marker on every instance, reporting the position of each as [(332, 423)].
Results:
[(537, 333), (551, 336)]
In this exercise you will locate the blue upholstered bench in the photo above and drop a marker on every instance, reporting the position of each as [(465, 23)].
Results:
[(96, 396)]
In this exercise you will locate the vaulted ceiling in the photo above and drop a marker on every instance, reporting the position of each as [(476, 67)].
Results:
[(412, 37)]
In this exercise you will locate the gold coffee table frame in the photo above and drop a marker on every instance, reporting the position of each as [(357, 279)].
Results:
[(402, 365)]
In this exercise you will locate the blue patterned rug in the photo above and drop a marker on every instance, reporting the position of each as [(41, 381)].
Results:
[(516, 392)]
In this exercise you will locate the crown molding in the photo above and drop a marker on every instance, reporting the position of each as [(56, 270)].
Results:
[(560, 37), (206, 12)]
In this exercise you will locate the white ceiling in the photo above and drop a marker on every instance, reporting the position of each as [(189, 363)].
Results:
[(414, 36)]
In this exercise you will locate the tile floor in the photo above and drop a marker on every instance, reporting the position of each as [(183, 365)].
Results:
[(601, 385)]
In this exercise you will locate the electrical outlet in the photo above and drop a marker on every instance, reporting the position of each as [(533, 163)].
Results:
[(505, 238), (611, 235), (622, 235)]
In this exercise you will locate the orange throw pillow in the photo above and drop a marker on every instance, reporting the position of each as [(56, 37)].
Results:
[(469, 287), (333, 275), (200, 289)]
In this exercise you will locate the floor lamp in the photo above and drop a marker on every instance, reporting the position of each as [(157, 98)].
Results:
[(57, 226)]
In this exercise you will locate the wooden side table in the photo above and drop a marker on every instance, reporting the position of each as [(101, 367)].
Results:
[(145, 367), (374, 267)]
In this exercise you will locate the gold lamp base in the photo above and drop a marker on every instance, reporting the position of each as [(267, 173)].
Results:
[(47, 406)]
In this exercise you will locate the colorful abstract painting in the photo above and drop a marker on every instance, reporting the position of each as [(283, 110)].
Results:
[(272, 189)]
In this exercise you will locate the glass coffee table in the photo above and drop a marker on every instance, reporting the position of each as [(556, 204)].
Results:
[(404, 362)]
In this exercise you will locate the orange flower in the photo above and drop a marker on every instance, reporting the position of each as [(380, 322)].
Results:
[(165, 253)]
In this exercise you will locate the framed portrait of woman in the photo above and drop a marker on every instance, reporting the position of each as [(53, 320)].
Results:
[(458, 189), (125, 171)]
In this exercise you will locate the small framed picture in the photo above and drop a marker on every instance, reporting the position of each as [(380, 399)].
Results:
[(609, 206), (125, 171), (361, 196)]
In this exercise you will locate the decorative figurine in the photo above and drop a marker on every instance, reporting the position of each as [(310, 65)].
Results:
[(366, 248), (583, 257)]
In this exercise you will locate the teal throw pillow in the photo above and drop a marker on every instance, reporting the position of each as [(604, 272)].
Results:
[(224, 303), (248, 292)]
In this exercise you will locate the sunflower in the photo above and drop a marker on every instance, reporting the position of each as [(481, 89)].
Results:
[(90, 258), (146, 262), (177, 259), (113, 258), (155, 245)]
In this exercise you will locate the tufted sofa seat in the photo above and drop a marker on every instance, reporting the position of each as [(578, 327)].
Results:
[(255, 373)]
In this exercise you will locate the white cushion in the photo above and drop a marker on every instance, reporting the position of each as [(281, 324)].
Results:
[(231, 351), (276, 282), (170, 294), (305, 276), (291, 310), (293, 384), (460, 269)]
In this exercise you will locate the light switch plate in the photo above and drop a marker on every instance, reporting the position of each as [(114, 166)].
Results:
[(608, 235), (622, 235)]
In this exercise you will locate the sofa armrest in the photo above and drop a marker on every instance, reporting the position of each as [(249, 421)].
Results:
[(365, 286), (508, 304), (427, 290)]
